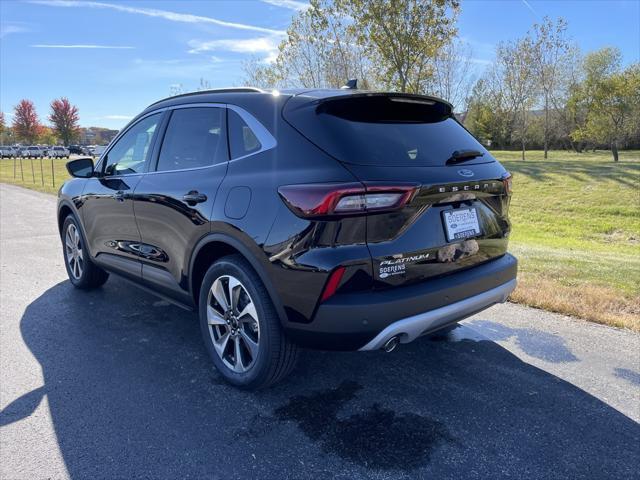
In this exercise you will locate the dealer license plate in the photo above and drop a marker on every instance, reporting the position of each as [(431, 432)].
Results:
[(461, 223)]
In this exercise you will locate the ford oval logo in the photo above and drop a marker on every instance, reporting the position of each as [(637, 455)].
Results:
[(465, 173)]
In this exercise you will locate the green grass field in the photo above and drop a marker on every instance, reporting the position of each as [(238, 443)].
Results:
[(44, 175), (576, 232), (576, 229)]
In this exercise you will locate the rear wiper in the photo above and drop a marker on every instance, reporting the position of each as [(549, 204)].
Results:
[(463, 155)]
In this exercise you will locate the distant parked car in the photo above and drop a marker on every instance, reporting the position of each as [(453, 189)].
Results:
[(7, 151), (32, 152), (44, 149), (58, 152), (99, 150), (76, 150)]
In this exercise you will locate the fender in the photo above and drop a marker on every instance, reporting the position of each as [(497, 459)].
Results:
[(246, 252), (65, 202)]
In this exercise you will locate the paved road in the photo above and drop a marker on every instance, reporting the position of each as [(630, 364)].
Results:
[(116, 384)]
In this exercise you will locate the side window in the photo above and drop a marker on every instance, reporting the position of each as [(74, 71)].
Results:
[(242, 140), (195, 137), (131, 152)]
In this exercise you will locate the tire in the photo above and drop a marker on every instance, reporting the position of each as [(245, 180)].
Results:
[(82, 272), (272, 356)]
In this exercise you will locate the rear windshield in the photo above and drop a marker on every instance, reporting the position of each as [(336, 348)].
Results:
[(385, 131)]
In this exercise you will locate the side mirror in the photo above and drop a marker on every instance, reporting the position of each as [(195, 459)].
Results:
[(80, 167)]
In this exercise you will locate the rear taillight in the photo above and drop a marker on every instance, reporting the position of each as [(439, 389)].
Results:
[(344, 199), (507, 181)]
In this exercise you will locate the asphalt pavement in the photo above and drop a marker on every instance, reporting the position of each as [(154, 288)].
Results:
[(115, 383)]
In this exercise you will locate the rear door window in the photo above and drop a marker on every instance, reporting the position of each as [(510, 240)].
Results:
[(195, 138), (385, 130)]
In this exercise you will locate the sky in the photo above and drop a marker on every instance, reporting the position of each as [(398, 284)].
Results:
[(113, 58)]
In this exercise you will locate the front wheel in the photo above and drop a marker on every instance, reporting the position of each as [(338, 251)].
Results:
[(82, 272), (241, 328)]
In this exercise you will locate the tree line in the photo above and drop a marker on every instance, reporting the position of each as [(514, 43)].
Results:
[(27, 128), (540, 91)]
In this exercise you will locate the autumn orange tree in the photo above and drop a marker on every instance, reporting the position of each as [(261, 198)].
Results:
[(64, 119), (26, 125)]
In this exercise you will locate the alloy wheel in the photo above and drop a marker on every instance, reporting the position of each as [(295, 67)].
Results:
[(73, 249), (233, 323)]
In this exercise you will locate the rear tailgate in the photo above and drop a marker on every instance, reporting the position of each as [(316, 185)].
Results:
[(459, 216), (413, 244)]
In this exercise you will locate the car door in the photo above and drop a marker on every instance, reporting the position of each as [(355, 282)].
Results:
[(107, 199), (173, 203)]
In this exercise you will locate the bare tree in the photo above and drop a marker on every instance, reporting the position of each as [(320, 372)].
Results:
[(453, 76), (519, 83), (204, 85), (563, 119), (260, 74), (176, 89), (549, 51)]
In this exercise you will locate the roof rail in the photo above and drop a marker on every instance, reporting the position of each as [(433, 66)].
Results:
[(212, 90)]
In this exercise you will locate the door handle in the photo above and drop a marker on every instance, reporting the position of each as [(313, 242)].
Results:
[(120, 196), (194, 197)]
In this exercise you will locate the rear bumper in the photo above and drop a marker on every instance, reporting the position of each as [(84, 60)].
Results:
[(365, 321), (408, 329)]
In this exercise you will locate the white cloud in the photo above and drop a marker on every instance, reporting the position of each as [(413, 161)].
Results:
[(259, 45), (271, 57), (291, 4), (245, 45), (8, 29), (153, 12), (528, 5), (109, 47)]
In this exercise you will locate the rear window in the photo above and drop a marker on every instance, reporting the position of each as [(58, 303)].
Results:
[(384, 130)]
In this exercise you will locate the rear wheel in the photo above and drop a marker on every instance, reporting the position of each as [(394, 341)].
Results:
[(82, 272), (241, 328)]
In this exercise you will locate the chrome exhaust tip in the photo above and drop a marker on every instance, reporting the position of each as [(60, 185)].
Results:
[(391, 344)]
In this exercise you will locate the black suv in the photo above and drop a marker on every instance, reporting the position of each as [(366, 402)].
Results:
[(76, 150), (333, 219)]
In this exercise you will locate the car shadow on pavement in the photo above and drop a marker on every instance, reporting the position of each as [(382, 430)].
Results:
[(132, 394)]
